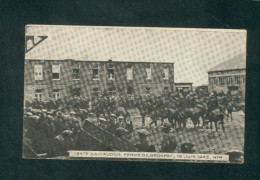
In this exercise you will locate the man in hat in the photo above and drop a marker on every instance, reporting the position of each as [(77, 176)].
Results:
[(119, 122), (235, 155), (111, 123), (129, 126), (121, 133), (103, 123), (168, 144), (63, 142), (58, 123), (144, 146)]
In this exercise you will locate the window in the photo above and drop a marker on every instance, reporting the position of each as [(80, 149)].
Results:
[(166, 73), (221, 81), (148, 73), (216, 81), (38, 94), (76, 74), (226, 80), (129, 90), (56, 72), (147, 90), (129, 73), (56, 94), (95, 73), (237, 80), (213, 81), (230, 80), (110, 71), (38, 75)]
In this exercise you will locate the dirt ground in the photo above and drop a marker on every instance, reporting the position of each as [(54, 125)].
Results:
[(207, 141)]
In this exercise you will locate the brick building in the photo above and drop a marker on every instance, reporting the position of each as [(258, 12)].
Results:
[(230, 74), (62, 61), (53, 79)]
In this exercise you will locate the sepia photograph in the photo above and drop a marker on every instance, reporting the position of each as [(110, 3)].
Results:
[(134, 94)]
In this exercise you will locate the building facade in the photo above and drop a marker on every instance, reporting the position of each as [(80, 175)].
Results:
[(185, 86), (54, 79), (229, 75)]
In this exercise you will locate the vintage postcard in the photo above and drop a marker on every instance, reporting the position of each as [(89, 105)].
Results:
[(134, 93)]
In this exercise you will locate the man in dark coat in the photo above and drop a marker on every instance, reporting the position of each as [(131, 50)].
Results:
[(144, 146), (168, 144), (188, 148)]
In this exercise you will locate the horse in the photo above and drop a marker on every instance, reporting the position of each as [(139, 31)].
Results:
[(177, 117), (216, 116), (230, 108), (194, 114)]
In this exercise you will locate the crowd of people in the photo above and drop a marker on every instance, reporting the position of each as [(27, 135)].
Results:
[(52, 127)]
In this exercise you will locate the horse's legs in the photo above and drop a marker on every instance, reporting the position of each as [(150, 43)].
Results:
[(194, 122), (170, 119), (222, 123), (202, 118), (184, 123), (228, 113), (155, 121), (162, 120), (143, 120), (216, 125), (176, 123)]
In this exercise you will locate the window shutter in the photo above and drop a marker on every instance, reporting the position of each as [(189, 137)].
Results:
[(129, 73), (55, 68), (166, 73)]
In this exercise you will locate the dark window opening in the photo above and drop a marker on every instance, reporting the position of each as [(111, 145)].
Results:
[(76, 74), (110, 73), (55, 75), (95, 74), (129, 90), (38, 94)]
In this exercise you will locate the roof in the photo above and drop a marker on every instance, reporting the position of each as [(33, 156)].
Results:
[(91, 43), (237, 62)]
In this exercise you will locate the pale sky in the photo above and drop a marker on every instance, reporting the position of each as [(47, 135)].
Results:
[(193, 51)]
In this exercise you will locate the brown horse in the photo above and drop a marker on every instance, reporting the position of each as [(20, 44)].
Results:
[(215, 116), (176, 117)]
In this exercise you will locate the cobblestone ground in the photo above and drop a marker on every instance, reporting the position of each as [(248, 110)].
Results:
[(207, 141)]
